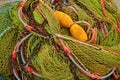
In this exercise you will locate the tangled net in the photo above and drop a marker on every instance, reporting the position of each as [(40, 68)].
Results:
[(35, 46)]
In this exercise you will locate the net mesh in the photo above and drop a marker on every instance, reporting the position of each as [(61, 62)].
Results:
[(8, 37), (56, 65), (9, 34)]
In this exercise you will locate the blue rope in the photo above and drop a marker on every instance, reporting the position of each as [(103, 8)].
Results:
[(21, 54), (22, 40), (24, 23), (22, 57), (2, 77), (15, 0), (7, 29), (79, 67), (16, 75), (38, 75)]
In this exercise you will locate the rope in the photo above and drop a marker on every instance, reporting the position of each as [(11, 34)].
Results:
[(2, 77), (93, 76), (31, 28), (22, 57), (65, 2), (19, 47), (105, 14), (29, 69), (22, 40), (3, 32), (20, 14), (80, 42), (21, 54), (15, 73)]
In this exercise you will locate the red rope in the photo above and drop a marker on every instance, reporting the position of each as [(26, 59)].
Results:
[(30, 28), (105, 14), (14, 53), (94, 35), (118, 29), (57, 1), (102, 26), (21, 6), (30, 69), (16, 72), (66, 50), (103, 9), (115, 76), (114, 53), (93, 76)]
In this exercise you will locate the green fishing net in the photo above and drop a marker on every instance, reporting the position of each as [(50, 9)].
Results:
[(55, 65), (8, 37)]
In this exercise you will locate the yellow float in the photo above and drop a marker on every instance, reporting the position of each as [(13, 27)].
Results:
[(64, 19), (78, 32)]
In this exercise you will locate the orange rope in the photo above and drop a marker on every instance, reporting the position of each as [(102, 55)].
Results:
[(105, 14)]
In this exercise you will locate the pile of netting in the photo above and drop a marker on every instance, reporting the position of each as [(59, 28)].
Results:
[(34, 45)]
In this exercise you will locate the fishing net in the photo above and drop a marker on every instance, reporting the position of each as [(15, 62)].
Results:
[(8, 37), (41, 48)]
